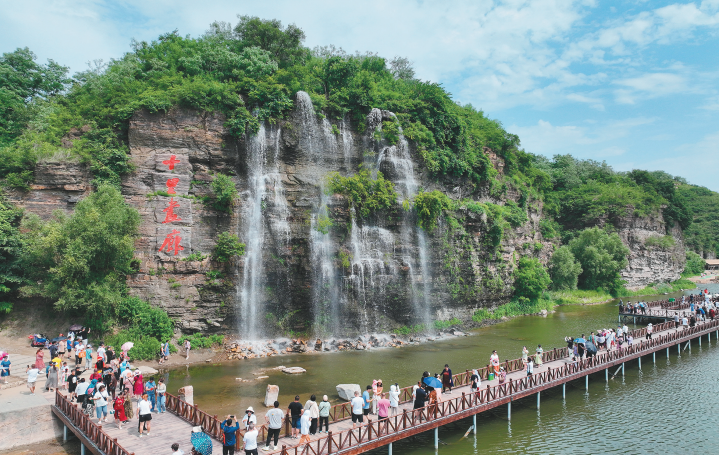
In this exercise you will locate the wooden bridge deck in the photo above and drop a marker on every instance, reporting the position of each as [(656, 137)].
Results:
[(343, 439)]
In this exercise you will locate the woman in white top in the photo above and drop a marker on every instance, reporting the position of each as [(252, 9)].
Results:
[(393, 399), (100, 398), (144, 414), (249, 419)]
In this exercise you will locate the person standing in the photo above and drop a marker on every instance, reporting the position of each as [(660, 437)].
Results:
[(119, 407), (39, 359), (273, 417), (61, 345), (367, 401), (324, 408), (314, 411), (101, 353), (144, 415), (188, 346), (32, 372), (101, 398), (538, 356), (229, 427), (128, 404), (138, 385), (476, 380), (650, 329), (305, 428), (530, 367), (494, 361), (72, 384), (250, 418), (447, 380), (150, 391), (88, 357), (5, 368), (250, 440), (420, 398), (161, 396), (176, 449), (357, 404), (295, 409), (383, 405), (80, 391), (394, 399), (525, 354)]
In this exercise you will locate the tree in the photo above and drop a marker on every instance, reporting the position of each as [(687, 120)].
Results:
[(284, 43), (223, 188), (401, 68), (227, 247), (564, 269), (695, 264), (530, 279), (11, 248), (81, 261), (602, 256)]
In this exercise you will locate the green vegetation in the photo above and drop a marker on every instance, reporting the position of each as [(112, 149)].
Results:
[(227, 247), (703, 234), (429, 207), (530, 279), (80, 262), (517, 307), (695, 265), (564, 269), (422, 328), (196, 256), (198, 340), (11, 249), (662, 242), (224, 192), (602, 256), (366, 194)]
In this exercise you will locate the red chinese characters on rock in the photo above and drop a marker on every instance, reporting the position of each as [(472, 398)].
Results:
[(172, 243), (171, 162), (171, 184), (170, 215)]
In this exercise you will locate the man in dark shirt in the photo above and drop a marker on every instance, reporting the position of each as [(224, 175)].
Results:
[(110, 354), (295, 409), (53, 350), (420, 398)]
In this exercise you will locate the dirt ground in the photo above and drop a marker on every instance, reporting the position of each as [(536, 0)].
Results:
[(54, 447)]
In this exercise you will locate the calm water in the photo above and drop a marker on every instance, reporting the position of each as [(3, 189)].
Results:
[(631, 414)]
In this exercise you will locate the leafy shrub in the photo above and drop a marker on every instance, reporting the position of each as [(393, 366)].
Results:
[(224, 192), (429, 207), (695, 264), (149, 320), (530, 279), (662, 242), (441, 325), (366, 194), (201, 341), (145, 347), (227, 247)]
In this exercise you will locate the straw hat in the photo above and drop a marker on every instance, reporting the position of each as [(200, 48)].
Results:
[(250, 409)]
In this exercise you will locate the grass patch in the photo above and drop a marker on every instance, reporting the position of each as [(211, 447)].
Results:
[(518, 307), (200, 341)]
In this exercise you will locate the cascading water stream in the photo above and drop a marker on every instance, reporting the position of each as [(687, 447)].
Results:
[(264, 203)]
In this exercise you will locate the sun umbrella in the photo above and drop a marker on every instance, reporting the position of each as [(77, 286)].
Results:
[(127, 346), (74, 328), (580, 340), (433, 382), (59, 339), (591, 348), (201, 442)]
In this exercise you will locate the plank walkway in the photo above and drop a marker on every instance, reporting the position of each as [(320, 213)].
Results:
[(175, 425)]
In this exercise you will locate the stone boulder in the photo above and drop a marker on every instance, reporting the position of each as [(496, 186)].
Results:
[(273, 391), (294, 370), (347, 391)]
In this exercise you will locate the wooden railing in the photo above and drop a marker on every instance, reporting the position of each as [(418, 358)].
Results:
[(91, 430), (467, 404)]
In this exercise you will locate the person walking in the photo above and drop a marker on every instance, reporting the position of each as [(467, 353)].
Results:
[(138, 386), (357, 404), (650, 329), (250, 440), (144, 415), (32, 372), (530, 367), (88, 357), (324, 409), (128, 405), (161, 396), (476, 381), (51, 382), (229, 427), (295, 409), (101, 398), (81, 391), (274, 418), (314, 411), (119, 407), (39, 359), (447, 379)]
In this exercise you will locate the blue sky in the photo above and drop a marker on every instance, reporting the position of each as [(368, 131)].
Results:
[(634, 83)]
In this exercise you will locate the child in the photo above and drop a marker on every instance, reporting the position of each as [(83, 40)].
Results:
[(530, 366)]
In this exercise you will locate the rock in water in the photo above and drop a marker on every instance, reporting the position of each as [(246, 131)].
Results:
[(294, 370), (273, 391), (347, 391)]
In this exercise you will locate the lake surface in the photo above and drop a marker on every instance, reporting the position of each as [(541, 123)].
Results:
[(632, 414)]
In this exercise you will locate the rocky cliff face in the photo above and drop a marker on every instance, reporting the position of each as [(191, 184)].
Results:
[(311, 264), (651, 260)]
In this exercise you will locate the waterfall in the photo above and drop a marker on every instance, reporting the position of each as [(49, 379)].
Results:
[(265, 211), (396, 163), (325, 291)]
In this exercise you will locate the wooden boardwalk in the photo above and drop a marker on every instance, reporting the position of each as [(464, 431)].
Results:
[(557, 369)]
